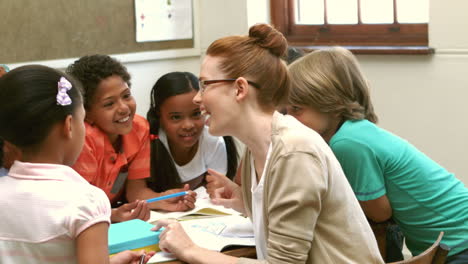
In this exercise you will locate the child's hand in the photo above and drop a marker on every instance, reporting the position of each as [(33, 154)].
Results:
[(129, 211), (130, 257), (214, 181), (182, 203)]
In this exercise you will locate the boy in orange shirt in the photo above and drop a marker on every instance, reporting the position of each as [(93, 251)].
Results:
[(115, 156)]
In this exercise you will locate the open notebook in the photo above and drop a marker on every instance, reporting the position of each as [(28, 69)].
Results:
[(203, 209), (210, 226), (215, 233)]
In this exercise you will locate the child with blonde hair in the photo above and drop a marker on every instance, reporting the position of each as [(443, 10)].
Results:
[(390, 177)]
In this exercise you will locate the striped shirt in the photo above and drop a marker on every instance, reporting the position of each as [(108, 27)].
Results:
[(108, 169), (45, 207)]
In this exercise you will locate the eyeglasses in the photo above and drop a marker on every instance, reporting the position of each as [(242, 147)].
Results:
[(204, 83)]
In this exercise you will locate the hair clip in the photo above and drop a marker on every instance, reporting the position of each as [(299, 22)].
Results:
[(62, 97), (153, 137)]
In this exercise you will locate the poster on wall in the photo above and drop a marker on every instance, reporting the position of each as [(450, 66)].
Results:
[(159, 20)]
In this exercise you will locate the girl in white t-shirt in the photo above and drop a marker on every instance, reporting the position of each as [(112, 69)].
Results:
[(50, 213), (182, 150)]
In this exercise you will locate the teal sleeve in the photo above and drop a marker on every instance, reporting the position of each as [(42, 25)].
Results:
[(362, 168)]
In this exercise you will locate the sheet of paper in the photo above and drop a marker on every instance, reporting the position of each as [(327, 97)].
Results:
[(158, 20), (238, 226), (208, 233), (161, 257)]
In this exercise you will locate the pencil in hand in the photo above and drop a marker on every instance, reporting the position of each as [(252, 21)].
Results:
[(166, 197)]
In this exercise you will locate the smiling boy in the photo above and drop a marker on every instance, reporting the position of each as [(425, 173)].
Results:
[(115, 156)]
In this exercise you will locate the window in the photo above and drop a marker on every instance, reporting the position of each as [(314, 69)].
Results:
[(378, 26)]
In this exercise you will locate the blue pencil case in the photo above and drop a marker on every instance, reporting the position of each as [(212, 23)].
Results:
[(133, 235)]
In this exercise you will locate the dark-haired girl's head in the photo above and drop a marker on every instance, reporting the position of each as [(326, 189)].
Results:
[(170, 85), (29, 107), (173, 111)]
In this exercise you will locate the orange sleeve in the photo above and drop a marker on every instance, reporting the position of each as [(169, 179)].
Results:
[(86, 164), (139, 167)]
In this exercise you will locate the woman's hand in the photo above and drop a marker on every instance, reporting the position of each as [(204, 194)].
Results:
[(130, 257), (173, 238), (215, 180), (229, 196), (176, 204), (129, 211)]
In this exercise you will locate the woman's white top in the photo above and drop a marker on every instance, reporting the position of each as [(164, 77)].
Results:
[(211, 154), (257, 209)]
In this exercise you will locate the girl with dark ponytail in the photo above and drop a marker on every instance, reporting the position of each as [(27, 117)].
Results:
[(182, 150), (51, 213)]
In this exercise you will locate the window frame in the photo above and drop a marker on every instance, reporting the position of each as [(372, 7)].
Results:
[(362, 38)]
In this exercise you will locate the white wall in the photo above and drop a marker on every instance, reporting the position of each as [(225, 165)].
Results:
[(422, 98)]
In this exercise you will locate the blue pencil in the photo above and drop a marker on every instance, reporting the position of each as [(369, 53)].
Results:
[(166, 197)]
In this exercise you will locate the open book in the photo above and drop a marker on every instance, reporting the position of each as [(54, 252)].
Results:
[(216, 233), (204, 208)]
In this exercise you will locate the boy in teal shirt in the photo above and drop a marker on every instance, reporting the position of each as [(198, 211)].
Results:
[(390, 177), (421, 193)]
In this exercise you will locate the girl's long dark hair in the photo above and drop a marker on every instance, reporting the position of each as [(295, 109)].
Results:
[(164, 174), (28, 104)]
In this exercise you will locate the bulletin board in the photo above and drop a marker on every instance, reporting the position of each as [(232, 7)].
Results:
[(37, 30)]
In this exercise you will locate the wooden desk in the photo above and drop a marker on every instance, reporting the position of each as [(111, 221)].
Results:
[(247, 252)]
